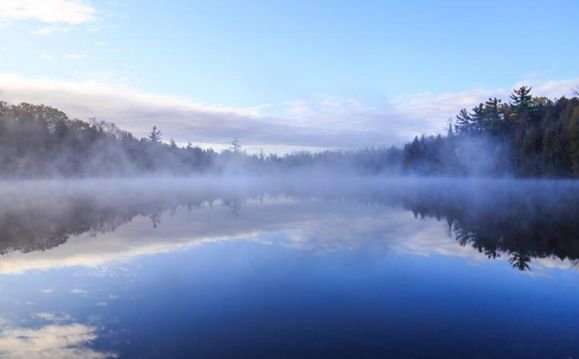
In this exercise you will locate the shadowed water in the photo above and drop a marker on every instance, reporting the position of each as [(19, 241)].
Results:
[(354, 267)]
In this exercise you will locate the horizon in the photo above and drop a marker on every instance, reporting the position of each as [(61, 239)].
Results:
[(262, 179), (306, 77)]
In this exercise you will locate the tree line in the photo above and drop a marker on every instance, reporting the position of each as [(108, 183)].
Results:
[(528, 136), (41, 141)]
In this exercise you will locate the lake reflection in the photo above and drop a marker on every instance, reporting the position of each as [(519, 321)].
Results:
[(358, 268)]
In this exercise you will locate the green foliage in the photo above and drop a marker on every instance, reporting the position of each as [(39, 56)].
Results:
[(521, 100), (40, 141), (528, 137)]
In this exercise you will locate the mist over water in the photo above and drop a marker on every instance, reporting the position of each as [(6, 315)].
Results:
[(520, 219), (288, 180), (307, 264)]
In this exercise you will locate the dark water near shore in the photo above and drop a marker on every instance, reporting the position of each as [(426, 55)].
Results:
[(400, 268)]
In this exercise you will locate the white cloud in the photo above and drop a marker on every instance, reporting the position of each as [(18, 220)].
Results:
[(47, 30), (328, 124), (303, 124), (442, 106), (69, 12), (76, 56)]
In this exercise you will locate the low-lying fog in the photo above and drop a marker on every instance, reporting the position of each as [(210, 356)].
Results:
[(381, 265), (106, 220)]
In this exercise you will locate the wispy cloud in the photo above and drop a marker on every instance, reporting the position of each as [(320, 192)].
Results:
[(328, 124), (321, 123), (47, 30), (76, 56), (446, 105), (58, 12)]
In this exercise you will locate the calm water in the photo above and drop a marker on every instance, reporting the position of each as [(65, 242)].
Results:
[(356, 268)]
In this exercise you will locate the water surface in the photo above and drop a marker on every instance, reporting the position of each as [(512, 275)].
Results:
[(245, 268)]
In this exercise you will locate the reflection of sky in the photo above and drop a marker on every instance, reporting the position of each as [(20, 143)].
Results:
[(49, 341), (241, 295), (313, 225), (281, 275)]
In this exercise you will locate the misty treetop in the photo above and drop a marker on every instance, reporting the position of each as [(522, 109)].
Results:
[(527, 136), (40, 141)]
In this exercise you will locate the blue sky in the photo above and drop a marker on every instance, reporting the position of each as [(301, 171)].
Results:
[(333, 74)]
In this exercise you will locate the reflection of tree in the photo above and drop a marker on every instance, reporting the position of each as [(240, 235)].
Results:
[(49, 222), (520, 261), (521, 224), (40, 228)]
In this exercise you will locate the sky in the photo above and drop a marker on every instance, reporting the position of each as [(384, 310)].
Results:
[(281, 75)]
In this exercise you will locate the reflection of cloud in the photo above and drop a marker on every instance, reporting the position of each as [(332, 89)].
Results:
[(320, 227), (51, 317), (554, 263), (424, 243), (354, 227), (310, 224), (78, 291), (184, 229), (50, 341)]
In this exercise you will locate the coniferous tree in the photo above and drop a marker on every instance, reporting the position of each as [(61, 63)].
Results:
[(529, 136), (493, 115), (478, 119), (236, 145), (522, 99), (155, 135), (464, 121)]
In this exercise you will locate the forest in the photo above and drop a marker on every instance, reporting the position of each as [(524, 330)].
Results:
[(527, 136)]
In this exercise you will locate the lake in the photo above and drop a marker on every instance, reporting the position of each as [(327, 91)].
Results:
[(289, 267)]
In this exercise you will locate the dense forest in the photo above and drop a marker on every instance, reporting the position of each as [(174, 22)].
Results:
[(526, 137), (40, 141)]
